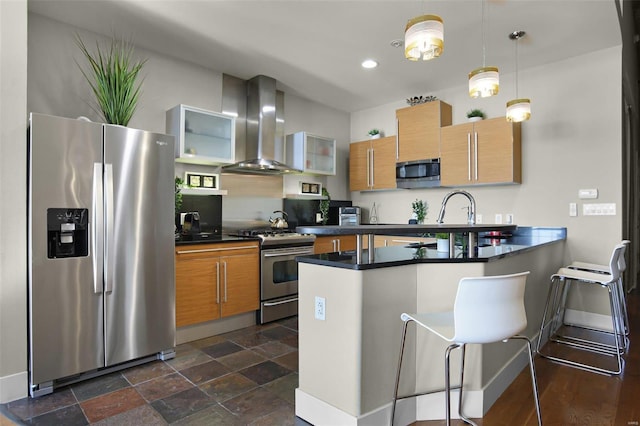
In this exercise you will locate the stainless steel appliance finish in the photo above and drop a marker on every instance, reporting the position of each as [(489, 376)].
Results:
[(264, 148), (107, 189), (418, 174), (349, 216), (279, 270)]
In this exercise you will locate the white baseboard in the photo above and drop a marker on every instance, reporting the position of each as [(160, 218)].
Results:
[(588, 319), (15, 386)]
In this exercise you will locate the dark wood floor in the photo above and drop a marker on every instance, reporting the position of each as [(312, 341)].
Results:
[(569, 396)]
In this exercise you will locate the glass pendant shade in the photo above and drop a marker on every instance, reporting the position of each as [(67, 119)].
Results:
[(424, 38), (484, 82), (518, 110)]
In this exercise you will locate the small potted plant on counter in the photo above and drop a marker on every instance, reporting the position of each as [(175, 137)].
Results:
[(420, 209), (374, 134), (442, 241), (475, 115)]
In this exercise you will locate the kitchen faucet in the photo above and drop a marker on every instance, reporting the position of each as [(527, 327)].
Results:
[(472, 206)]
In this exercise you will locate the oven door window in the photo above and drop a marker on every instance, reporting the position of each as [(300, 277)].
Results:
[(284, 271)]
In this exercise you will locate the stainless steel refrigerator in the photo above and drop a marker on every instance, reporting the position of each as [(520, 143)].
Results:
[(100, 240)]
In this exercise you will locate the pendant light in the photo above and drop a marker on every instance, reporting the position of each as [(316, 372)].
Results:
[(424, 38), (518, 109), (484, 81)]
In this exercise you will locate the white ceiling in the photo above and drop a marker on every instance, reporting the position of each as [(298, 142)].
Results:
[(314, 48)]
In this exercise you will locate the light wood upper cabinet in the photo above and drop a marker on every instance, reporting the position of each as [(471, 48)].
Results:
[(372, 164), (216, 280), (333, 243), (419, 130), (484, 152)]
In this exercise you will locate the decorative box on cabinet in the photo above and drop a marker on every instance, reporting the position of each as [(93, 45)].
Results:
[(372, 164), (333, 243), (202, 137), (484, 152), (216, 280), (418, 136), (310, 153)]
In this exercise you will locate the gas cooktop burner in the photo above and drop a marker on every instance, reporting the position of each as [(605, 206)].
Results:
[(270, 237)]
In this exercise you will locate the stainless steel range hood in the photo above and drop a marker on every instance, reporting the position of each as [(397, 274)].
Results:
[(264, 149)]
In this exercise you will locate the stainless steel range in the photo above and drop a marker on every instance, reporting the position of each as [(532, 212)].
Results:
[(279, 270)]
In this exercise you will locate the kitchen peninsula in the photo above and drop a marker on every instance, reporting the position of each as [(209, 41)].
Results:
[(350, 328)]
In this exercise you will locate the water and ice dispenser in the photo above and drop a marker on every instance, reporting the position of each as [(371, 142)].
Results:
[(67, 233)]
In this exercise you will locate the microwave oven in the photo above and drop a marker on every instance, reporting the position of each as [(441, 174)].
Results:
[(418, 174)]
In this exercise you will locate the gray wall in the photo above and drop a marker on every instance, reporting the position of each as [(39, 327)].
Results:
[(571, 142), (13, 280)]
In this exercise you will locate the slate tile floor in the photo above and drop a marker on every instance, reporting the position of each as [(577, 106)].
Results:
[(245, 377)]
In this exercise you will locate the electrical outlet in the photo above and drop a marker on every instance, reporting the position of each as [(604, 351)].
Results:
[(498, 218), (478, 218), (320, 308), (508, 219)]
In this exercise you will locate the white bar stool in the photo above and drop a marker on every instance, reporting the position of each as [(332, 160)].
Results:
[(604, 269), (486, 310), (553, 316)]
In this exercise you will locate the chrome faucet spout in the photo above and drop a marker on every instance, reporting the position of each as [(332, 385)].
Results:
[(471, 218)]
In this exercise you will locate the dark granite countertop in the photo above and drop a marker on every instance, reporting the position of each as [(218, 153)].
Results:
[(489, 249), (211, 238), (401, 229)]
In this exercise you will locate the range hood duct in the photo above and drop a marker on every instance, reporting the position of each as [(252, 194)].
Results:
[(264, 148)]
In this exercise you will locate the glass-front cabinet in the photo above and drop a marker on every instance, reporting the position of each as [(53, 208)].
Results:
[(202, 137), (311, 154)]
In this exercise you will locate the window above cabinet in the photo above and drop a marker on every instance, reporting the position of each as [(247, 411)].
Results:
[(312, 154), (202, 137)]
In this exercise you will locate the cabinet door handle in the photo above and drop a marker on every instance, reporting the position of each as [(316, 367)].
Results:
[(373, 166), (476, 153), (468, 156), (397, 139), (224, 268), (339, 247), (218, 283), (368, 167)]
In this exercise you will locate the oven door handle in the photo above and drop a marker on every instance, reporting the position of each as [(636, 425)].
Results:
[(281, 302), (265, 253)]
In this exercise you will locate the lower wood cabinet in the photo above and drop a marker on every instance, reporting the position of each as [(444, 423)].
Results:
[(216, 280), (332, 243)]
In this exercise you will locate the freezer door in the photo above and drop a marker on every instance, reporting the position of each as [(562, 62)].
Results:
[(139, 265), (65, 286)]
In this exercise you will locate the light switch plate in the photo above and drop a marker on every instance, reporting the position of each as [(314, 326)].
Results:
[(573, 209), (498, 218), (600, 209), (587, 193)]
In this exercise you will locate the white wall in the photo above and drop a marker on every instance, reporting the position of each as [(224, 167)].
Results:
[(13, 226), (572, 141)]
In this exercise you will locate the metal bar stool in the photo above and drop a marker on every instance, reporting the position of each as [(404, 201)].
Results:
[(604, 269), (486, 310), (553, 317)]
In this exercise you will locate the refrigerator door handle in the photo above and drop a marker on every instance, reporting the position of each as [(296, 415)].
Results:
[(97, 228), (109, 269)]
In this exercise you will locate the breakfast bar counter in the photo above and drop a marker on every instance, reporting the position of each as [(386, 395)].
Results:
[(350, 327)]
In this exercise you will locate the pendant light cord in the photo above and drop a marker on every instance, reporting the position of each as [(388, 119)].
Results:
[(483, 38), (517, 40)]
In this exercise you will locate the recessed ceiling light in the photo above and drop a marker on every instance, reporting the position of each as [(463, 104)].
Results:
[(369, 63)]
